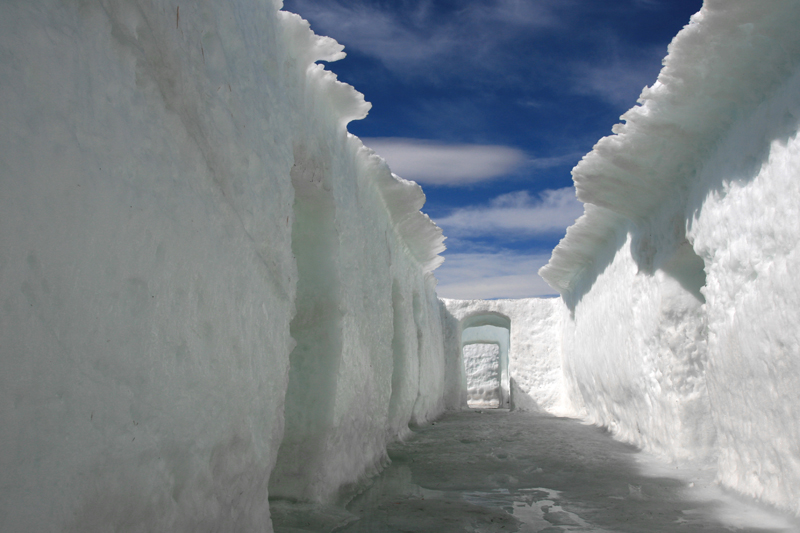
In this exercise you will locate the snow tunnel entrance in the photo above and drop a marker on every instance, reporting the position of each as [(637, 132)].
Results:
[(485, 340)]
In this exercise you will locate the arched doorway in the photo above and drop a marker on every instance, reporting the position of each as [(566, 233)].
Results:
[(485, 339)]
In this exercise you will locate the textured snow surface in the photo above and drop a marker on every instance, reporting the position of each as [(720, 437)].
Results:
[(747, 230), (681, 318), (634, 360), (192, 251), (482, 365), (533, 354)]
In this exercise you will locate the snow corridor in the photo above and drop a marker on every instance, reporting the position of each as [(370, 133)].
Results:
[(218, 307)]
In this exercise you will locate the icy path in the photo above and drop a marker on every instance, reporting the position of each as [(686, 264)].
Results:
[(494, 471)]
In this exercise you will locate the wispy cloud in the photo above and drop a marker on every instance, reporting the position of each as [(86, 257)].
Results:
[(504, 274), (516, 214), (408, 37), (515, 14), (620, 79), (378, 33), (435, 163), (491, 271), (496, 42)]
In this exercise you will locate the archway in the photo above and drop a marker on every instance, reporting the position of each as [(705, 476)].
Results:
[(485, 340)]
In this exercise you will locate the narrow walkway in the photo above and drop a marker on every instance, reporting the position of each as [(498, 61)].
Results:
[(492, 471)]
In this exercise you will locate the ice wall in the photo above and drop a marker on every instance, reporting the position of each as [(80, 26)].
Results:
[(681, 310), (534, 348), (199, 268)]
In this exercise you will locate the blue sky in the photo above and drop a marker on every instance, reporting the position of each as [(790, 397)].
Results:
[(488, 104)]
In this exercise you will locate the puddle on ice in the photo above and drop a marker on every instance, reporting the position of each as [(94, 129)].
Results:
[(536, 509), (497, 471)]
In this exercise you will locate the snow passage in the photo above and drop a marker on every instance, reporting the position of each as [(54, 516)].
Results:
[(215, 301), (493, 471)]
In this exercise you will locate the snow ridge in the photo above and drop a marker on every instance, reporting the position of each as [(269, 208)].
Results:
[(403, 198), (729, 57)]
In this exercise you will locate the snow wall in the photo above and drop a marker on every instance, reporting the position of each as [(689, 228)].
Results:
[(201, 272), (681, 329), (533, 377)]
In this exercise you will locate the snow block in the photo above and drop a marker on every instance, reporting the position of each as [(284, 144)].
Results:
[(482, 363)]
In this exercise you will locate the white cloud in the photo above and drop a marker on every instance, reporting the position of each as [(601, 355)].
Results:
[(516, 214), (448, 164), (496, 273), (506, 274)]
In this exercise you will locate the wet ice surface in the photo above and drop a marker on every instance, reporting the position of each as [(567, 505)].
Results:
[(491, 471)]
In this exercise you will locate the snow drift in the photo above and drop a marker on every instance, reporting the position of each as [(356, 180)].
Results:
[(681, 323), (193, 253)]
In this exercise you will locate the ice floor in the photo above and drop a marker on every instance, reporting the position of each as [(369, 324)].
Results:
[(494, 470)]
